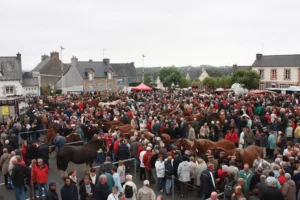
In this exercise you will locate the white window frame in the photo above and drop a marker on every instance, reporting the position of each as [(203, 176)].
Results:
[(110, 86), (261, 73), (261, 86), (109, 75), (90, 76), (102, 86), (9, 90), (287, 74), (273, 74)]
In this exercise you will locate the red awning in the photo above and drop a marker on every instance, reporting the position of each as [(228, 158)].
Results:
[(142, 86)]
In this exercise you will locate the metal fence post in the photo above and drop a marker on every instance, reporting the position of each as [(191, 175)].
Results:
[(173, 187), (134, 163)]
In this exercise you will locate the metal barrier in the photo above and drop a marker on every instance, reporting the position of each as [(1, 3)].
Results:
[(28, 135), (127, 160)]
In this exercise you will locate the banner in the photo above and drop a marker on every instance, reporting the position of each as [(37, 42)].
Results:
[(5, 110)]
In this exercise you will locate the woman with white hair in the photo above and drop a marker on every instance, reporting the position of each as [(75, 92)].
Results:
[(289, 188)]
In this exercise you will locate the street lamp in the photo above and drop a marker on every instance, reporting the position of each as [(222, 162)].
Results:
[(62, 68)]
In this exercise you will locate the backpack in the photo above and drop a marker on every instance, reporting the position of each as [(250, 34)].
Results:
[(128, 191), (228, 189)]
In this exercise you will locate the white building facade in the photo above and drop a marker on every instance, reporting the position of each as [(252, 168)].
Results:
[(277, 71)]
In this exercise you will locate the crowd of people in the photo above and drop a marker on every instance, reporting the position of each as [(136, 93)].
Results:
[(269, 121)]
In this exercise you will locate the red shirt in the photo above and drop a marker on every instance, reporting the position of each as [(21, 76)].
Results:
[(268, 118), (140, 149), (146, 159), (148, 125), (222, 175), (162, 129), (116, 147), (24, 149), (232, 137), (41, 174), (108, 140)]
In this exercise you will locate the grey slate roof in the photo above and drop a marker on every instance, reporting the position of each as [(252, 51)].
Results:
[(98, 67), (45, 61), (277, 61), (194, 73), (10, 68), (28, 80), (124, 69)]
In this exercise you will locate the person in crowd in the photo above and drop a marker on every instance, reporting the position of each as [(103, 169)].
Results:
[(145, 192), (272, 192), (184, 175), (4, 162), (17, 176), (247, 175), (116, 178), (52, 194), (114, 194), (142, 165), (208, 183), (86, 190), (160, 171), (40, 174), (30, 180), (102, 188), (43, 152), (168, 174), (69, 190), (73, 177), (289, 188), (121, 171), (238, 193), (130, 189)]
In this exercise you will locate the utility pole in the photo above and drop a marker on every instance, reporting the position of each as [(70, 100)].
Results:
[(62, 68), (143, 56)]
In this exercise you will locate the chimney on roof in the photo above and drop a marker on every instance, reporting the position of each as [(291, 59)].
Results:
[(74, 60), (44, 57), (258, 55), (90, 60), (106, 61), (18, 56), (54, 54)]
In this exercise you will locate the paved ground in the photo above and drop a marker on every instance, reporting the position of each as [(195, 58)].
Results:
[(55, 175)]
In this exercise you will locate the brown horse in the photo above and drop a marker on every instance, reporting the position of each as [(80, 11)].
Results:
[(106, 125), (127, 128), (50, 134), (73, 138)]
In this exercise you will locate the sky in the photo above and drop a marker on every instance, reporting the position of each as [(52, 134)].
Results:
[(167, 32)]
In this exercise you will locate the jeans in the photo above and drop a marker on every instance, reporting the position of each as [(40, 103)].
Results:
[(40, 189), (168, 185), (20, 190), (160, 183), (32, 192)]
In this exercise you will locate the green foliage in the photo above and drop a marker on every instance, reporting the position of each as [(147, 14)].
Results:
[(147, 79), (45, 90), (58, 91), (184, 83), (247, 78), (169, 75), (209, 82), (134, 84), (215, 72), (223, 82)]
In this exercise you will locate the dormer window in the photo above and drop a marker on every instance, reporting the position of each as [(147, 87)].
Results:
[(90, 76), (109, 75)]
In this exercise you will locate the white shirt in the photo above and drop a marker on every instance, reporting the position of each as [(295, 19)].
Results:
[(112, 197), (141, 158), (242, 138), (93, 179)]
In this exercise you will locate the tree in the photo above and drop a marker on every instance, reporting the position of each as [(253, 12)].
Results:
[(169, 75), (45, 90), (147, 79), (247, 78), (223, 82), (184, 83), (209, 82)]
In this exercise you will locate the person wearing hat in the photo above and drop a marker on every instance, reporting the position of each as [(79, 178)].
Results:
[(146, 193), (222, 159), (52, 194)]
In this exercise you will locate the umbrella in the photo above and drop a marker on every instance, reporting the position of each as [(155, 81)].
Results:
[(257, 92)]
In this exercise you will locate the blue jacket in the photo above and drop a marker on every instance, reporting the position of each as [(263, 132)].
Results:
[(123, 151), (59, 141), (69, 193)]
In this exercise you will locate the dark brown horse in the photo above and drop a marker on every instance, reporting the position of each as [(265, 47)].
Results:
[(78, 154)]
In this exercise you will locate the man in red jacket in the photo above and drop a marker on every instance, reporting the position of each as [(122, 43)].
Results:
[(40, 174), (146, 160)]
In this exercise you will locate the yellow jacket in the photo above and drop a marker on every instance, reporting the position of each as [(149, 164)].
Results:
[(297, 132)]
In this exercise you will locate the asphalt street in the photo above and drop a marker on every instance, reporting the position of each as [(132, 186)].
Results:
[(55, 176)]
